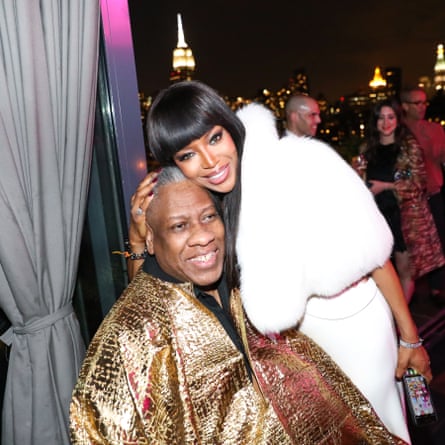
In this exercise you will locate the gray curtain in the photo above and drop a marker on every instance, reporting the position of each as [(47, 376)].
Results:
[(48, 66)]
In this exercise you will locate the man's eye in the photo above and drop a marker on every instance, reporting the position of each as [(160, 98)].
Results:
[(178, 227)]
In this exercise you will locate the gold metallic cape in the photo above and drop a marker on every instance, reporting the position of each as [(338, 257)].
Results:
[(315, 401), (148, 377)]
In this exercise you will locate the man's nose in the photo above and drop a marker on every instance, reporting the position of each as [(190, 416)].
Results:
[(201, 235)]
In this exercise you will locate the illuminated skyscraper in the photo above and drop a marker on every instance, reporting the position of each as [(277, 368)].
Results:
[(378, 90), (183, 60), (439, 69), (393, 76), (377, 81)]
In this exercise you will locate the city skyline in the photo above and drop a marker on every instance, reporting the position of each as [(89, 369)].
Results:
[(240, 49)]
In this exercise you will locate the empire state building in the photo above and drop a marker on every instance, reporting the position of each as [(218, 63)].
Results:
[(439, 69), (183, 60)]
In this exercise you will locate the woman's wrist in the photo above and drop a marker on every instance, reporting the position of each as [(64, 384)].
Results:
[(406, 327), (411, 345), (409, 333), (136, 251), (137, 247)]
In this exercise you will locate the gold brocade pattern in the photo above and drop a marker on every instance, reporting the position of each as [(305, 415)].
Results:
[(418, 227), (316, 402), (148, 378)]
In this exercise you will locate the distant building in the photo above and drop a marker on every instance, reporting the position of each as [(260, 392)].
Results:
[(377, 81), (298, 83), (436, 109), (183, 61), (358, 100), (393, 76), (378, 86), (439, 69), (386, 83), (426, 83)]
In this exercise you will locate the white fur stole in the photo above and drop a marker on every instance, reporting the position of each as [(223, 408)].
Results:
[(308, 224)]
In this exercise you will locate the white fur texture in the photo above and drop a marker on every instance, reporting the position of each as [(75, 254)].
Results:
[(308, 224)]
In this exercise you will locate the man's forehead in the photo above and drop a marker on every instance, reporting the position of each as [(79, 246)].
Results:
[(417, 94), (311, 107), (176, 198)]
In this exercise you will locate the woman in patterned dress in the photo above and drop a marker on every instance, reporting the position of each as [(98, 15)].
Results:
[(395, 174)]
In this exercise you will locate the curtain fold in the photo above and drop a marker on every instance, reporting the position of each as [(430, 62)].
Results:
[(48, 72)]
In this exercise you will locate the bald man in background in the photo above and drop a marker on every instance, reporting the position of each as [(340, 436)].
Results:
[(302, 115)]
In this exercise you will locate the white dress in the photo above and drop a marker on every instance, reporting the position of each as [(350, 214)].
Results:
[(309, 226), (340, 324)]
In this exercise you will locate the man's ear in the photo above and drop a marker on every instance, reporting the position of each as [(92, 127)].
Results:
[(149, 240)]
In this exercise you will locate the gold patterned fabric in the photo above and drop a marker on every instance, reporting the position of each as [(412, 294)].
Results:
[(148, 377), (418, 227), (315, 401)]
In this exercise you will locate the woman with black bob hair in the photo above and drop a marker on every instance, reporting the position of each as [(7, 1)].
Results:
[(179, 115)]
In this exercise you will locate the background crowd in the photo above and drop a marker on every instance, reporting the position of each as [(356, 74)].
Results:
[(401, 161)]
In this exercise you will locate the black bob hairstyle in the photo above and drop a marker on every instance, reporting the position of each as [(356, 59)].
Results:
[(184, 112)]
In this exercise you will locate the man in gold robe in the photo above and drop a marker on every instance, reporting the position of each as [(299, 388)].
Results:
[(176, 362)]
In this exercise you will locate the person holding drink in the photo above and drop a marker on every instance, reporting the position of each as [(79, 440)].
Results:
[(392, 165)]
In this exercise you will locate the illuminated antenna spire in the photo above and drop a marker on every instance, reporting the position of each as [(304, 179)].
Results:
[(183, 60), (440, 62), (439, 69), (181, 38)]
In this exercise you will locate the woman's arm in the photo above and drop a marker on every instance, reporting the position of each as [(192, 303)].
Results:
[(377, 187), (388, 282), (138, 230)]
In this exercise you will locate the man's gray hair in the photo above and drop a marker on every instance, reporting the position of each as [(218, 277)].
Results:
[(173, 175), (169, 175)]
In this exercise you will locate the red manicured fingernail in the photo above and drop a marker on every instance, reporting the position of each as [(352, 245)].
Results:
[(151, 193)]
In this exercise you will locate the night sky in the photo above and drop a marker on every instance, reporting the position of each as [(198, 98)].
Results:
[(241, 46)]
